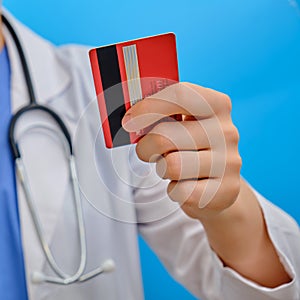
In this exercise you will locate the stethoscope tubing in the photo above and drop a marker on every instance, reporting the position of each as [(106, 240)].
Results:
[(31, 107), (21, 173)]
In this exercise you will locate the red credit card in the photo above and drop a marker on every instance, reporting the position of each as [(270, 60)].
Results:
[(127, 72)]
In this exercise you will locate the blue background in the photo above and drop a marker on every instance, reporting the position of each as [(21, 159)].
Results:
[(248, 49)]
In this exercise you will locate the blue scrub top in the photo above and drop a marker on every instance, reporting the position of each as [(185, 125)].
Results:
[(12, 273)]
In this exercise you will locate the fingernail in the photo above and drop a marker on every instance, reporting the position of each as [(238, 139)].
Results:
[(126, 118)]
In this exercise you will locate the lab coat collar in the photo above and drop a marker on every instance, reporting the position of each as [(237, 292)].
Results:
[(43, 64)]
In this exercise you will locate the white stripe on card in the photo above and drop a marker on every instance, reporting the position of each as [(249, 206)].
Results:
[(132, 73)]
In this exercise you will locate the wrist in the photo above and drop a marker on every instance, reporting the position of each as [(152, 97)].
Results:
[(227, 230)]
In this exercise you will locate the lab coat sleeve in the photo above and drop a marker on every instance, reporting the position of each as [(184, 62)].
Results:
[(181, 244)]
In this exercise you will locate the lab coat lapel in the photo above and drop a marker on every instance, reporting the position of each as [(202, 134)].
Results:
[(47, 84), (48, 75)]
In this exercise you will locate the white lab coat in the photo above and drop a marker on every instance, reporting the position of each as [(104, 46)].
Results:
[(121, 197)]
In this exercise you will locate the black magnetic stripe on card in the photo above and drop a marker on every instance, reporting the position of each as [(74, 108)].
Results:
[(113, 93)]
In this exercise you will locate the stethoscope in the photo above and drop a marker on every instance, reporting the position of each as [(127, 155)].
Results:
[(62, 277)]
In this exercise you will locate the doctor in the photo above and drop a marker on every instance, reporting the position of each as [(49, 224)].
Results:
[(224, 241)]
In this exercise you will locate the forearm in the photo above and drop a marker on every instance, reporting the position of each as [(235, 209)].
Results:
[(240, 238)]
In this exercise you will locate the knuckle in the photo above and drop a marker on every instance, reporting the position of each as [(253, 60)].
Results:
[(235, 161), (235, 134), (231, 134), (239, 161), (233, 165), (226, 101), (223, 103)]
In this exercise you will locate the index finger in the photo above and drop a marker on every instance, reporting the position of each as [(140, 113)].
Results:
[(180, 98)]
